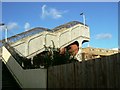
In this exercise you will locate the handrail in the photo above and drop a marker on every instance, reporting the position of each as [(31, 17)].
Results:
[(38, 30), (67, 25), (26, 34)]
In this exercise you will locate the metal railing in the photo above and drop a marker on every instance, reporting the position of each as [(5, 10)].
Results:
[(67, 25), (38, 30), (27, 33)]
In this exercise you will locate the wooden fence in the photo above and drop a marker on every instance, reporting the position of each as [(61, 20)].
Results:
[(97, 73)]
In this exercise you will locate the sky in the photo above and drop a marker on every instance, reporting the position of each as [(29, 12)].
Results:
[(101, 17)]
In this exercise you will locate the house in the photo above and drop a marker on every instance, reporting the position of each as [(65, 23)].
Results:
[(92, 53)]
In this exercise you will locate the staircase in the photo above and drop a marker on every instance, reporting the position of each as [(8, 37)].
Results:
[(26, 48), (8, 82)]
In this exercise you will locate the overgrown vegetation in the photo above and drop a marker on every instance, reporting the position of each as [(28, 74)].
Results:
[(50, 57)]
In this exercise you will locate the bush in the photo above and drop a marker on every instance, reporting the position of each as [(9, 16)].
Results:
[(50, 57)]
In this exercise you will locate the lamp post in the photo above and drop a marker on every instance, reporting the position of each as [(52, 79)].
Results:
[(1, 24), (82, 14), (84, 19), (6, 31)]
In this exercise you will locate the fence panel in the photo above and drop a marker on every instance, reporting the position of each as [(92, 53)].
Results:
[(97, 73), (118, 71), (61, 76)]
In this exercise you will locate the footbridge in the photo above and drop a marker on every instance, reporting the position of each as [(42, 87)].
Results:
[(32, 42)]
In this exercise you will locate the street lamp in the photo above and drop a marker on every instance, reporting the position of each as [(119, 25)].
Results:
[(1, 24), (6, 30), (84, 19)]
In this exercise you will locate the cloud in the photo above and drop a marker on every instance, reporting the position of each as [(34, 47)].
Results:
[(27, 26), (114, 48), (44, 12), (12, 25), (103, 36), (9, 26), (55, 13), (51, 12), (1, 28)]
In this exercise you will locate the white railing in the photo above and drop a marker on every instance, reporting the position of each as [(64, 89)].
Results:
[(33, 45)]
